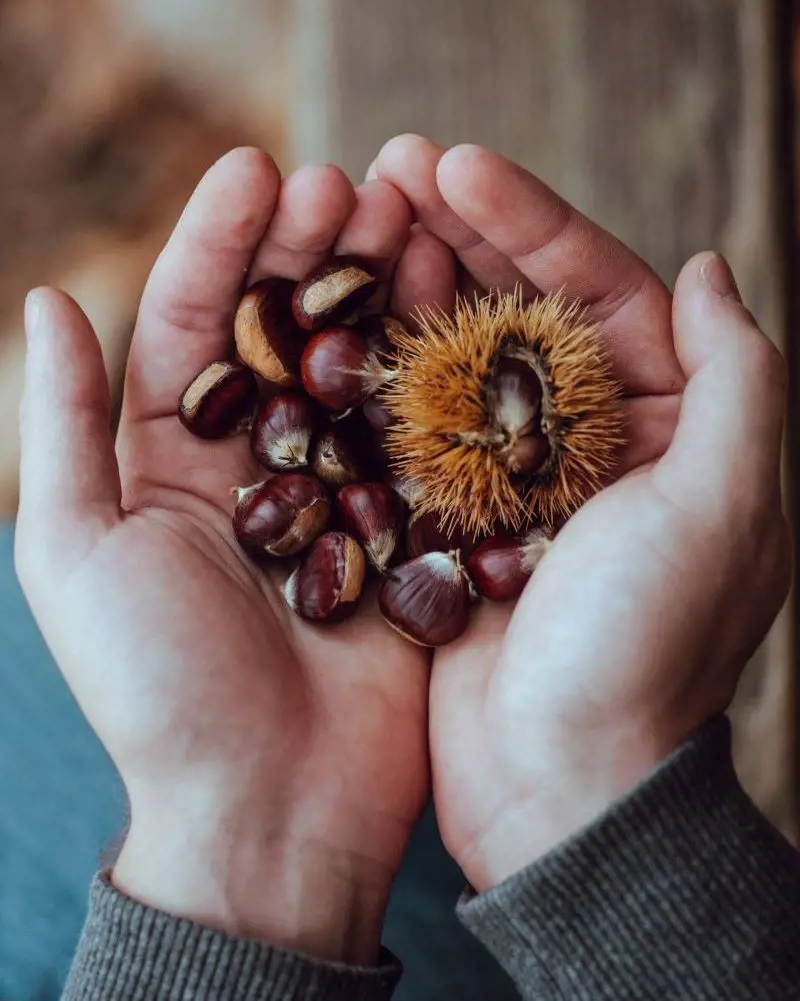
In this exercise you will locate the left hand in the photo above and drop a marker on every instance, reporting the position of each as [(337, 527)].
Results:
[(635, 627)]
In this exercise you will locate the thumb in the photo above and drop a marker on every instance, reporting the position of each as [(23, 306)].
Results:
[(728, 441), (69, 480)]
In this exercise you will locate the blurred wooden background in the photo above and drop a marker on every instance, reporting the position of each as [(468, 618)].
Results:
[(658, 119)]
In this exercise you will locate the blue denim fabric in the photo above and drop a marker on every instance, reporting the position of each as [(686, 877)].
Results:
[(62, 805)]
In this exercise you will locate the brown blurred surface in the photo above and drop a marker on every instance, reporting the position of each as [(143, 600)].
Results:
[(103, 145), (655, 118)]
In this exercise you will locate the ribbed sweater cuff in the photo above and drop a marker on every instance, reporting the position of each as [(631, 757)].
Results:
[(129, 952), (680, 890)]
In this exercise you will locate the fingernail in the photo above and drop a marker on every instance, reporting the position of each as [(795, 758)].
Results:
[(716, 273), (32, 312)]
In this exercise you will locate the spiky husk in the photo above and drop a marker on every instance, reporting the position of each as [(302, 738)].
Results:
[(437, 399)]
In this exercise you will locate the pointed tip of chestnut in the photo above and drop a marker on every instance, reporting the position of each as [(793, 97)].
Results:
[(332, 291), (497, 568), (220, 401), (427, 599), (338, 458), (375, 516), (281, 435), (535, 546), (328, 584)]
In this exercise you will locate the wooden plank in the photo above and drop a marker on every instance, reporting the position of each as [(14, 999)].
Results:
[(656, 119)]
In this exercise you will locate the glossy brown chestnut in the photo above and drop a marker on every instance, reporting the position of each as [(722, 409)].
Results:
[(337, 460), (374, 515), (427, 600), (281, 516), (219, 401), (497, 568), (327, 585), (514, 396), (282, 431), (373, 330), (333, 367), (267, 338), (377, 414), (424, 535), (382, 332), (526, 455), (332, 292)]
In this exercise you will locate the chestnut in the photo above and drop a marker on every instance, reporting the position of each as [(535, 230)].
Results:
[(337, 459), (377, 414), (406, 488), (267, 338), (219, 401), (526, 455), (424, 534), (497, 568), (282, 431), (514, 396), (332, 292), (327, 585), (281, 516), (374, 515), (382, 332), (514, 400), (427, 600), (333, 366)]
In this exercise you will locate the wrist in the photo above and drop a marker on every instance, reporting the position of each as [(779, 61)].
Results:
[(565, 790), (245, 874)]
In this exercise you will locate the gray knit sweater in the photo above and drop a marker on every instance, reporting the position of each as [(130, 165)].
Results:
[(681, 890)]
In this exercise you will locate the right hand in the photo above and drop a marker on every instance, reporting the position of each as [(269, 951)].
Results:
[(275, 770), (637, 623)]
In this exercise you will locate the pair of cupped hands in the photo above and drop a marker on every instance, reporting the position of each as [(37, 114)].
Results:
[(275, 770)]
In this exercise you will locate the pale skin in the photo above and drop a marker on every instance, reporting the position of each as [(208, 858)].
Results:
[(275, 770)]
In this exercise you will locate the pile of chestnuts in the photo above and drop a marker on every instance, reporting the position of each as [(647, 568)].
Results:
[(331, 503)]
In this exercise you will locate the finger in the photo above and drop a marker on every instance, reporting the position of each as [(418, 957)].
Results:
[(409, 162), (727, 446), (69, 482), (378, 228), (650, 423), (314, 204), (185, 318), (557, 248), (372, 171), (425, 276)]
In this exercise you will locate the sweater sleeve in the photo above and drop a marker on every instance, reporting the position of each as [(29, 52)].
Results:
[(129, 952), (681, 891)]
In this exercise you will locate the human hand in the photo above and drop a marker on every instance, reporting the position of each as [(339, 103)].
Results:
[(637, 623), (274, 770)]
